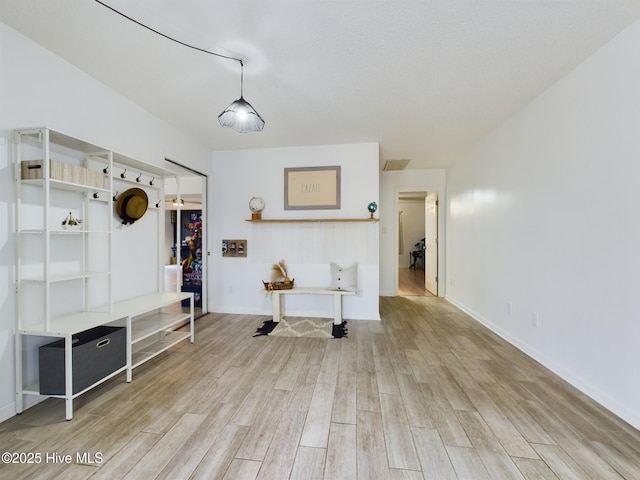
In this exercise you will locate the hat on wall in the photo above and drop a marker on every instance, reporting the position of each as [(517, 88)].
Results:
[(132, 205)]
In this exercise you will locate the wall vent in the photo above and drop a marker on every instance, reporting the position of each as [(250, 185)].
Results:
[(396, 164)]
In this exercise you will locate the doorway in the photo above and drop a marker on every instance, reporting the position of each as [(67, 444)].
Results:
[(417, 243), (185, 234)]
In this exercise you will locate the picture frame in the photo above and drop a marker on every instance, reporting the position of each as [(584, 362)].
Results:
[(312, 188)]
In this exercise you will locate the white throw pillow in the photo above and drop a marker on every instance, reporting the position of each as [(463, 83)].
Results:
[(344, 278)]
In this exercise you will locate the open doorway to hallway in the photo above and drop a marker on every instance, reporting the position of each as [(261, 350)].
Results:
[(417, 243)]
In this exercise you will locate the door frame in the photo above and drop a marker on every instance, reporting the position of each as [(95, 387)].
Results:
[(430, 244), (441, 235), (205, 217)]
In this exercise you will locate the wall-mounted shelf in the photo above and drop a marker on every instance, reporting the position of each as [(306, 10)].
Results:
[(312, 220)]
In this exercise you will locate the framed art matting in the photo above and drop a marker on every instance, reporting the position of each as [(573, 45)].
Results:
[(312, 188)]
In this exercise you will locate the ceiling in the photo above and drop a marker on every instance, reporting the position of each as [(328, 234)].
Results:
[(425, 78)]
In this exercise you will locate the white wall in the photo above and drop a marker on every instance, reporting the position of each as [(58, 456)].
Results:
[(307, 248), (391, 184), (39, 89), (543, 214), (413, 220)]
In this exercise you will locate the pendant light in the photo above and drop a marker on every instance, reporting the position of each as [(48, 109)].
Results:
[(240, 115)]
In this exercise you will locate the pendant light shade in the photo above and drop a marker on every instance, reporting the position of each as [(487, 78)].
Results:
[(240, 115)]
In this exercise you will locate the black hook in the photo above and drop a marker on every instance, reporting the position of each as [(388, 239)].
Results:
[(122, 175), (95, 195), (158, 204), (115, 196), (105, 170), (151, 181), (139, 177)]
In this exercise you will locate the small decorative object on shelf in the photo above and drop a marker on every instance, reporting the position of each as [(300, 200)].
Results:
[(256, 205), (71, 222), (279, 278), (268, 286), (372, 207)]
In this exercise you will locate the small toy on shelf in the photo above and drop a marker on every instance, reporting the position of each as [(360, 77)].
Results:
[(71, 222)]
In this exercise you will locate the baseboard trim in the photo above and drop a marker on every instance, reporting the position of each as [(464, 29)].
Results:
[(9, 410)]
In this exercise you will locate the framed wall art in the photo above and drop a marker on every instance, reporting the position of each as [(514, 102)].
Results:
[(312, 188)]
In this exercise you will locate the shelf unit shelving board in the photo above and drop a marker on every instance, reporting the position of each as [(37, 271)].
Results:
[(66, 277), (149, 324), (78, 322), (72, 324), (153, 345), (103, 193), (34, 389), (144, 304)]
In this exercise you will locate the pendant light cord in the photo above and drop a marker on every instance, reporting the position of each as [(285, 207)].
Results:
[(173, 39), (241, 79)]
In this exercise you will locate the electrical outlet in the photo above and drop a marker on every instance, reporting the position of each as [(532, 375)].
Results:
[(534, 319)]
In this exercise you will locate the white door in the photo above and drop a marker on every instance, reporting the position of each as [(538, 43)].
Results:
[(431, 232)]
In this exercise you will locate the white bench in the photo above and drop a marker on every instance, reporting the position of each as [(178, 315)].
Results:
[(278, 310)]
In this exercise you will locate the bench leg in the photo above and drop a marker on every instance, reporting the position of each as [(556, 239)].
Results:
[(337, 309), (276, 302)]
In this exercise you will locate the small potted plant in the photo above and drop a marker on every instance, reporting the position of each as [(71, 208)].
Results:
[(71, 222)]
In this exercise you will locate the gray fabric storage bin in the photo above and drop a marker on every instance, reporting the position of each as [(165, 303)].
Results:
[(97, 353)]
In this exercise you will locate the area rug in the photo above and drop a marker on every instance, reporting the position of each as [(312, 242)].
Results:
[(303, 327)]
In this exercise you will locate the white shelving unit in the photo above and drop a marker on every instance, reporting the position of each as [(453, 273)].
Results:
[(64, 279)]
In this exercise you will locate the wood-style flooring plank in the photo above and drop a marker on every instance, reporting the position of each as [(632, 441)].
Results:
[(242, 469), (341, 462), (534, 469), (278, 462), (191, 453), (433, 455), (467, 464), (309, 463), (318, 420), (117, 465), (371, 450), (216, 461), (258, 438), (164, 450), (345, 399)]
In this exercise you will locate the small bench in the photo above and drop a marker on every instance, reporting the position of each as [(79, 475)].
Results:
[(278, 311)]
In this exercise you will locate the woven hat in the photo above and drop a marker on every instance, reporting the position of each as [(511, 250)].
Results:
[(132, 205)]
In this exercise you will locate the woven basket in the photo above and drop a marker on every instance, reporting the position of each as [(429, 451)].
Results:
[(278, 285)]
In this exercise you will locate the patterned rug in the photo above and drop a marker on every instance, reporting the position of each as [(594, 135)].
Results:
[(303, 327)]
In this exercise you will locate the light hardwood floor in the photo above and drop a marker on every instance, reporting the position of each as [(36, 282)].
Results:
[(425, 394), (411, 282)]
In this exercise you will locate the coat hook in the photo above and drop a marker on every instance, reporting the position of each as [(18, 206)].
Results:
[(158, 204), (105, 170), (95, 195), (139, 177), (122, 175), (115, 196), (151, 181)]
